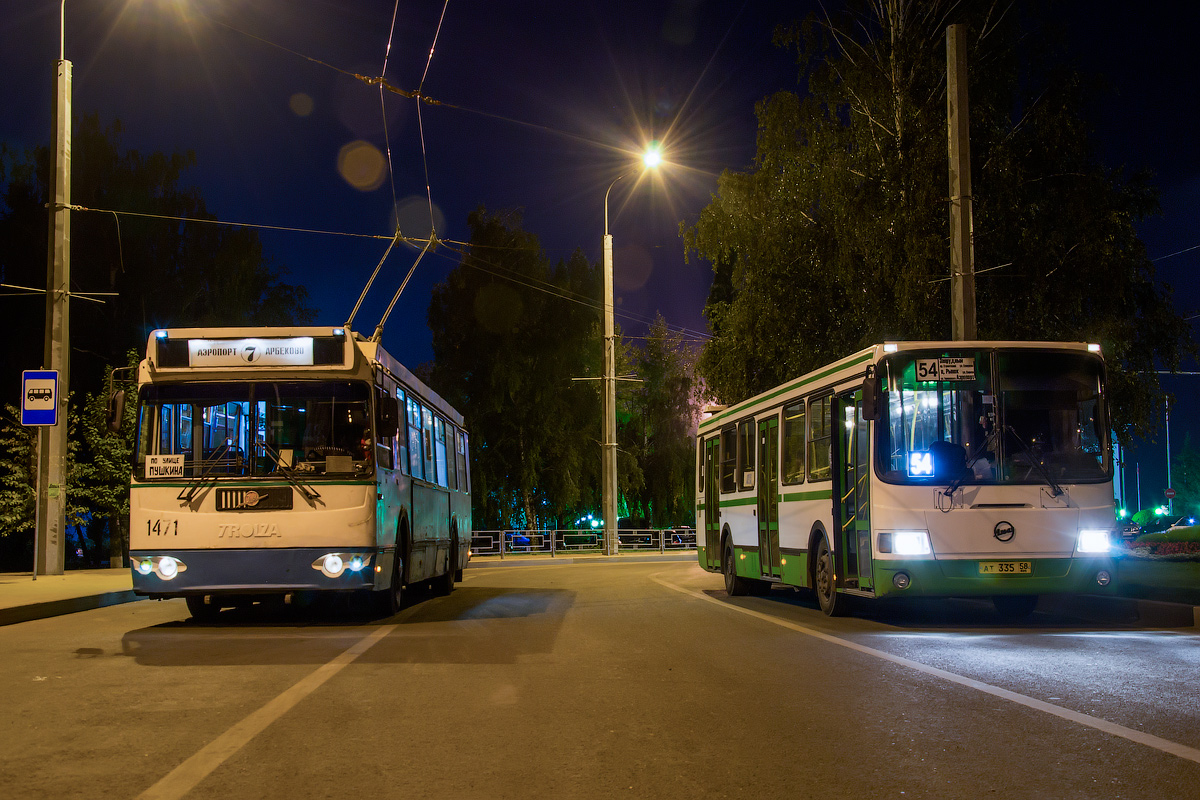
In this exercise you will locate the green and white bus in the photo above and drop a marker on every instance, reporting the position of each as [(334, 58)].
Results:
[(271, 461), (916, 469)]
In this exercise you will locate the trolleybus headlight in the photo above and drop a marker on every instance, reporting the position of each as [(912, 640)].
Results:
[(1093, 541), (332, 565), (165, 567)]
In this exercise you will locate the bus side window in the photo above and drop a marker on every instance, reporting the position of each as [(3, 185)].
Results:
[(820, 431), (746, 454), (700, 464), (414, 439), (402, 433), (728, 458), (793, 443)]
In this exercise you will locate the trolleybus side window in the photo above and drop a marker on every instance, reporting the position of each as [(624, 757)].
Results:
[(415, 459), (462, 461), (728, 458), (700, 463), (427, 441), (439, 451), (820, 422), (402, 433), (746, 454), (793, 443), (384, 439)]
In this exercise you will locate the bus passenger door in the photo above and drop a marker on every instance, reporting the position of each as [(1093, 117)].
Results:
[(768, 496), (712, 503), (853, 478)]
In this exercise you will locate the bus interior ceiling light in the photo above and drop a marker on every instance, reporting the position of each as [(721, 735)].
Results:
[(1093, 541)]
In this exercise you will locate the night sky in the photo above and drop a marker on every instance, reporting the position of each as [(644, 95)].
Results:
[(545, 104)]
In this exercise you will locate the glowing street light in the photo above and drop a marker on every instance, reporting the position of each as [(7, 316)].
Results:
[(651, 158)]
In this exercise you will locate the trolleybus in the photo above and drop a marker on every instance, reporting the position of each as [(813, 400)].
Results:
[(916, 469), (271, 461)]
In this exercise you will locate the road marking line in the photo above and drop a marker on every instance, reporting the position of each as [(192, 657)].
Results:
[(1140, 737), (181, 780)]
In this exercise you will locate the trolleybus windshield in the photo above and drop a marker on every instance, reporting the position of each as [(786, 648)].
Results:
[(261, 428), (993, 417)]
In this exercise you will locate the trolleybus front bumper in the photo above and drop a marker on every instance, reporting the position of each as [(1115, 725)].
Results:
[(173, 573)]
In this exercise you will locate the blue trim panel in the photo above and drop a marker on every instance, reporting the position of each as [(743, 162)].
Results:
[(237, 571)]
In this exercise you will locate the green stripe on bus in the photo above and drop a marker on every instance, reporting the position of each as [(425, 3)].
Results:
[(747, 501), (740, 408), (823, 494)]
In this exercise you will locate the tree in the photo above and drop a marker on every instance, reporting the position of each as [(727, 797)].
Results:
[(838, 236), (164, 272), (510, 331), (1186, 479), (665, 403)]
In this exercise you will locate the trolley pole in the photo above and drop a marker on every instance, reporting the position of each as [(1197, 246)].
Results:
[(51, 507), (962, 255)]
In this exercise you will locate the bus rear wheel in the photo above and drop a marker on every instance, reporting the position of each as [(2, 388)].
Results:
[(825, 582), (735, 585)]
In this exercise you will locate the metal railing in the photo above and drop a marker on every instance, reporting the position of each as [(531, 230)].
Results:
[(554, 542)]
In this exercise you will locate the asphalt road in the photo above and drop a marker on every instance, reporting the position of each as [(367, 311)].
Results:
[(597, 680)]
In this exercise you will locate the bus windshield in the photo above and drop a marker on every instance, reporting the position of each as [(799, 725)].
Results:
[(257, 428), (1014, 416)]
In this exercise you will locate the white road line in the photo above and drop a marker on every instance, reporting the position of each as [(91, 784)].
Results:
[(181, 780), (1149, 740)]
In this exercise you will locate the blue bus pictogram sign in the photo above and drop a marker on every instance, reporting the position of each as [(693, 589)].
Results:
[(39, 397)]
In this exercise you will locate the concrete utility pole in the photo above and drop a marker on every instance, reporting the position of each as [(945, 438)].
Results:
[(962, 248), (50, 546), (608, 490)]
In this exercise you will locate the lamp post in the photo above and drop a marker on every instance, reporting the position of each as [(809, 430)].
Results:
[(51, 507), (608, 494)]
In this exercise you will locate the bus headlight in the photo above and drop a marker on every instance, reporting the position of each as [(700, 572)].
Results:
[(332, 565), (1093, 541), (165, 567)]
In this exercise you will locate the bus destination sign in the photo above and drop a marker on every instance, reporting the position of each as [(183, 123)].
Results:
[(295, 352), (946, 368)]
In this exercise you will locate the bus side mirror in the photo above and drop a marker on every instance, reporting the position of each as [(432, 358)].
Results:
[(116, 410), (387, 415), (871, 390)]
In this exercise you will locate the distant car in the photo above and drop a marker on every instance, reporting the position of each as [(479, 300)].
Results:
[(1163, 524)]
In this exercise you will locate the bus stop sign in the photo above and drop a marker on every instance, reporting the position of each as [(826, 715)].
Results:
[(39, 397)]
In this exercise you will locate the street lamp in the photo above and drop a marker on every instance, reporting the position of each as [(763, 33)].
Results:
[(651, 158), (51, 508)]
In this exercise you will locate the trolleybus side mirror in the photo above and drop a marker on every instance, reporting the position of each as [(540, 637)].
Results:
[(116, 410), (871, 389), (387, 415)]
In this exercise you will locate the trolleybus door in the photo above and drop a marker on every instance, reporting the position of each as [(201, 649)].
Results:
[(852, 504), (768, 496), (712, 502)]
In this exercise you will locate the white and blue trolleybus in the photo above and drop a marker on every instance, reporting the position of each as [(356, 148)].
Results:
[(271, 461), (916, 469)]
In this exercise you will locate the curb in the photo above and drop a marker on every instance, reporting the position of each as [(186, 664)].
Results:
[(57, 608), (546, 559)]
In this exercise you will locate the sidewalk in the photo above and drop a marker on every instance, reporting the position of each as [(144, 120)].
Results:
[(22, 598)]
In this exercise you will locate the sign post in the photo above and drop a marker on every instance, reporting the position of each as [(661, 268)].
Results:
[(39, 407)]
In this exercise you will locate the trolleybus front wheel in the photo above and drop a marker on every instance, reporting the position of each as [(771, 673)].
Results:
[(201, 609)]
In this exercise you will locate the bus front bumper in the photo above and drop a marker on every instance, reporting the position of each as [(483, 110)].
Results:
[(967, 577), (174, 573)]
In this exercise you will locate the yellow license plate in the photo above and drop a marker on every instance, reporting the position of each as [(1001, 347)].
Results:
[(1005, 567)]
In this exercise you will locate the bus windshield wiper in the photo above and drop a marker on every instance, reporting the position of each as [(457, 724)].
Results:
[(188, 492), (967, 472), (310, 494), (1035, 462)]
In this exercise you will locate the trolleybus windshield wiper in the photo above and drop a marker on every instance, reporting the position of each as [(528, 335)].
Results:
[(1035, 462), (188, 492), (310, 494)]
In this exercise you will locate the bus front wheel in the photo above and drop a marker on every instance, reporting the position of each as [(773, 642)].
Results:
[(735, 585), (201, 609), (832, 603)]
